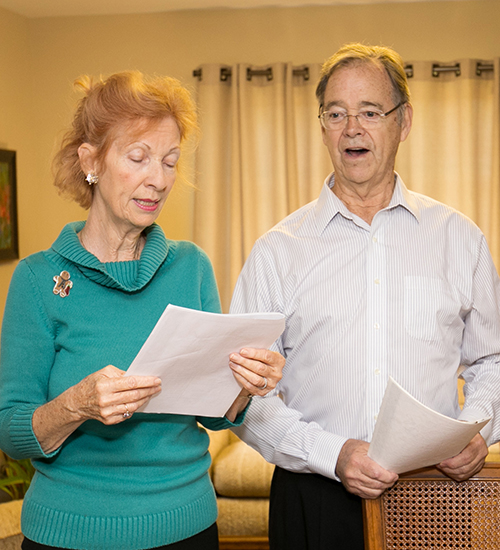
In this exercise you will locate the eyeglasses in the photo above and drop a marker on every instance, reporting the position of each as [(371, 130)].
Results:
[(334, 118)]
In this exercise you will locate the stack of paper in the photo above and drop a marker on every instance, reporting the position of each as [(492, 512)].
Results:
[(408, 435), (189, 350)]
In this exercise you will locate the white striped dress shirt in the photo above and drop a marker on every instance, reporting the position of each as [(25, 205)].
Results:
[(414, 295)]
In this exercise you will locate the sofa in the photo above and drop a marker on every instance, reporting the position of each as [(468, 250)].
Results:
[(242, 480)]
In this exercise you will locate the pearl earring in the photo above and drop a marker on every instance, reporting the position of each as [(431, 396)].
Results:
[(92, 178)]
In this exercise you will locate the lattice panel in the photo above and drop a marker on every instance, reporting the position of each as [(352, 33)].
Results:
[(442, 515)]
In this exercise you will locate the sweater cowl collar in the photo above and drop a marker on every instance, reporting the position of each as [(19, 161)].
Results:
[(130, 276)]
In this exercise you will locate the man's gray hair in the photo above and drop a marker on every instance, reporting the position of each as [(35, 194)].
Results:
[(382, 56)]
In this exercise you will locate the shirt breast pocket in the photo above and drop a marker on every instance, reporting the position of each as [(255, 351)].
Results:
[(429, 308)]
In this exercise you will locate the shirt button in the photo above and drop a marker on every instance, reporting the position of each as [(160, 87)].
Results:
[(375, 416), (374, 239), (377, 281), (376, 326), (377, 371)]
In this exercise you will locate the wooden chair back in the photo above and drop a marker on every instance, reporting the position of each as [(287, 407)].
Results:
[(426, 510)]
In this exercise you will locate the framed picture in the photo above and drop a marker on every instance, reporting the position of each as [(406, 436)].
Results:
[(9, 249)]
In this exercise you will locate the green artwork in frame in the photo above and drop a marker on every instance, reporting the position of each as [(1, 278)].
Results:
[(8, 206)]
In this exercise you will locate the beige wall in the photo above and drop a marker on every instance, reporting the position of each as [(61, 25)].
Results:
[(16, 116), (41, 57)]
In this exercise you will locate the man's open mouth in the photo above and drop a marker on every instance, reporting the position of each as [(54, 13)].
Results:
[(356, 152)]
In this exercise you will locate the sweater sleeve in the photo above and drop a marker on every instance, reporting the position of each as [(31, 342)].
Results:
[(26, 358)]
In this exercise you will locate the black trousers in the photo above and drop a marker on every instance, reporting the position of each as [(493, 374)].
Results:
[(312, 512), (206, 540)]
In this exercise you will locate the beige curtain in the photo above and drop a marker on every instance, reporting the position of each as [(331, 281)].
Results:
[(261, 154), (453, 151), (260, 157)]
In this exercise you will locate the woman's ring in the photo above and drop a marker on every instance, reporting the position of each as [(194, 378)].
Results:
[(265, 384), (126, 414)]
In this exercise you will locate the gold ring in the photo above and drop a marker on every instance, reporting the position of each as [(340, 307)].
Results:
[(127, 413)]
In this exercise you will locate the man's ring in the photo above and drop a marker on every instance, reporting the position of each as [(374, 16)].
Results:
[(265, 384), (126, 414)]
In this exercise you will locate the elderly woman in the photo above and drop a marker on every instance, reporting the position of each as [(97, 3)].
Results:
[(76, 316)]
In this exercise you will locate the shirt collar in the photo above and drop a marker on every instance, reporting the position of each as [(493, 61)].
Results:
[(402, 196), (329, 205)]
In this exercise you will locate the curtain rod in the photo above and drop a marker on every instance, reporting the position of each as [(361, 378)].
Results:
[(225, 73), (480, 68), (437, 69)]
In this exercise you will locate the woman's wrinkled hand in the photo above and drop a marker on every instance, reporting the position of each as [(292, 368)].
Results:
[(105, 395), (110, 397), (257, 371)]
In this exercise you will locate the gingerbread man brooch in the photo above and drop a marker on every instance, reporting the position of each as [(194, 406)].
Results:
[(63, 284)]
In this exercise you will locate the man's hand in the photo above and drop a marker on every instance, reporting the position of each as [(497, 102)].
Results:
[(468, 462), (359, 473)]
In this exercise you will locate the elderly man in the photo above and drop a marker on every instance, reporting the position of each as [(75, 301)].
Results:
[(374, 281)]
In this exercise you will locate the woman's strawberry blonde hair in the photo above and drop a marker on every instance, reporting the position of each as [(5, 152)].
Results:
[(122, 98)]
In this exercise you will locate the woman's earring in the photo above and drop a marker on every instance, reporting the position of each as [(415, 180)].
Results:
[(92, 178)]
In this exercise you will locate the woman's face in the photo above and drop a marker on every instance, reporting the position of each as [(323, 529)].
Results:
[(137, 175)]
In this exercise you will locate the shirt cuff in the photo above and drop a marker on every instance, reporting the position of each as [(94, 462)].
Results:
[(325, 453)]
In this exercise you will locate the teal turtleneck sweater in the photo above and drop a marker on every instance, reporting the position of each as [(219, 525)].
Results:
[(142, 483)]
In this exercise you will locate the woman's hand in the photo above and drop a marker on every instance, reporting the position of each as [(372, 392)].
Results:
[(110, 397), (257, 371), (105, 395)]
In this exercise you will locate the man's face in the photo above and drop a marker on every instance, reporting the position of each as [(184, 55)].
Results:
[(363, 155)]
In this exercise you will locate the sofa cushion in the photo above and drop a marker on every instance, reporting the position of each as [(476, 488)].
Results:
[(10, 519), (239, 471), (243, 517)]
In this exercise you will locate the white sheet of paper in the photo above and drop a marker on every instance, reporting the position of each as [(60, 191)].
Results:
[(189, 350), (408, 435)]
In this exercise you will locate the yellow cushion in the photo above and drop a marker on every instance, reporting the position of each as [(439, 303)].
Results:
[(243, 517), (494, 453), (239, 471), (10, 518), (218, 440)]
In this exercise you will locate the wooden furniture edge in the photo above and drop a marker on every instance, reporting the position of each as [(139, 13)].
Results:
[(488, 471), (373, 526), (243, 543)]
